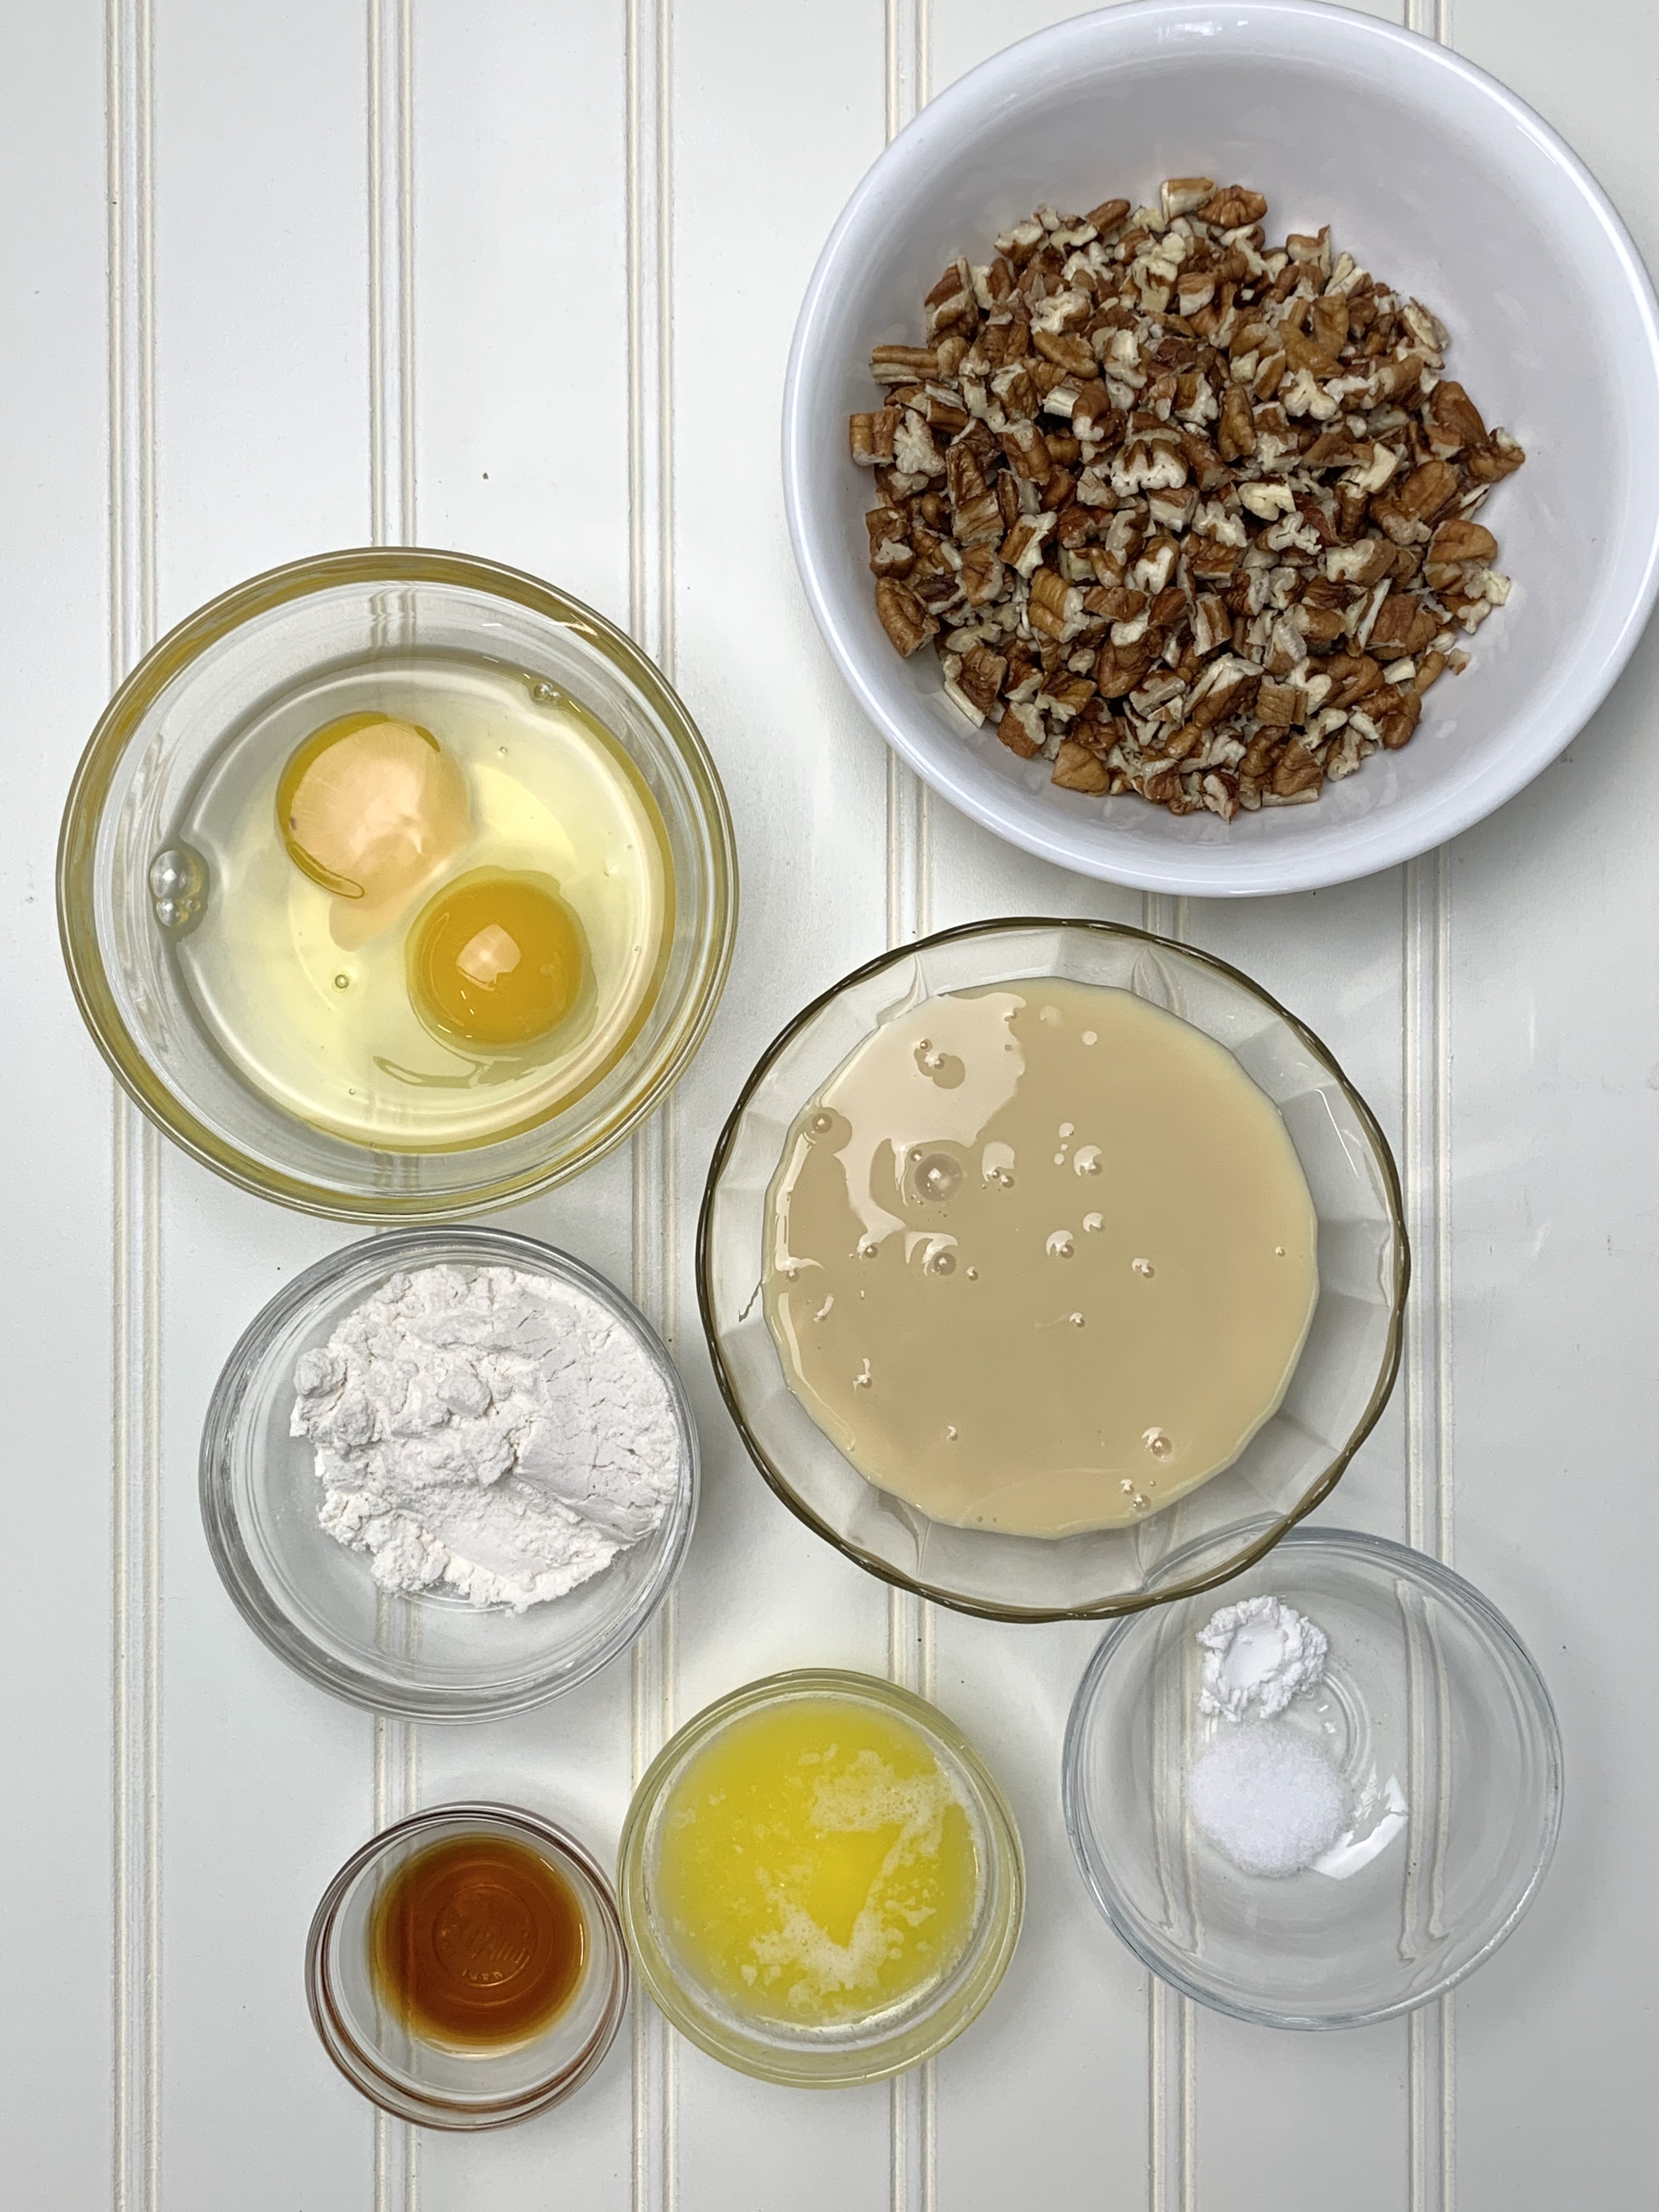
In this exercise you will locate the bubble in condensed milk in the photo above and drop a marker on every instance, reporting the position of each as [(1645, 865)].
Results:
[(934, 1177), (1060, 1245)]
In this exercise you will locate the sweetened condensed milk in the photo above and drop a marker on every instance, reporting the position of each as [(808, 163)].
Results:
[(1042, 1257)]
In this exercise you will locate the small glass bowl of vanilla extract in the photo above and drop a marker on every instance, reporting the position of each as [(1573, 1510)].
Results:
[(466, 1967)]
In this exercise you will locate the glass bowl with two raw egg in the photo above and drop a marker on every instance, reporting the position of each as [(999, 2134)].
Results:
[(1040, 1253), (396, 884)]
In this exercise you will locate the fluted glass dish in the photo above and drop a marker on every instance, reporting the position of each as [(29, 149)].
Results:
[(1342, 1379), (217, 674), (428, 1655), (1442, 1730), (425, 2082), (902, 2035)]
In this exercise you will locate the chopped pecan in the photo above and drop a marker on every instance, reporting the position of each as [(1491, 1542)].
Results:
[(1296, 770), (1233, 208), (897, 364), (903, 616), (1192, 516), (980, 576), (1498, 457), (1397, 719), (1077, 768), (1056, 607), (1403, 624), (1456, 540), (1021, 730), (871, 437), (979, 676), (1278, 706), (1109, 215), (1028, 451)]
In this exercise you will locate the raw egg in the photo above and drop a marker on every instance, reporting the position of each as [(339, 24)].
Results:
[(497, 959), (371, 809)]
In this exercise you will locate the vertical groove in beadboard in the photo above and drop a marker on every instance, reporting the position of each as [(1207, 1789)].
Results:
[(650, 155), (1171, 2022), (1426, 1085), (1171, 2159), (391, 216), (913, 2110), (390, 272), (136, 1532), (1431, 2079)]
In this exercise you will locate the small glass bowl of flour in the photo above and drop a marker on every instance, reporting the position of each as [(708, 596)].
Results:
[(448, 1473)]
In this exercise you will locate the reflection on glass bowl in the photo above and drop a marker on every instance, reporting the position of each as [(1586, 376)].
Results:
[(1340, 1383), (1442, 1732)]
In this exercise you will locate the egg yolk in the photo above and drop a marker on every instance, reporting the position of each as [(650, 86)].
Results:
[(371, 809), (497, 959)]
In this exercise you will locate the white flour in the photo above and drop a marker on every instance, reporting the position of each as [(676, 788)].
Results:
[(490, 1429)]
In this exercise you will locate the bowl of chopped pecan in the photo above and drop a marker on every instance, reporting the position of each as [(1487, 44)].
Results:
[(1223, 537)]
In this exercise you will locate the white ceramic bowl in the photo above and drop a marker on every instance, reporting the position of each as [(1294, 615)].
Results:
[(1430, 173)]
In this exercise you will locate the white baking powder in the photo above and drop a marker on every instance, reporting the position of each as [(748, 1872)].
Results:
[(1257, 1656), (490, 1429)]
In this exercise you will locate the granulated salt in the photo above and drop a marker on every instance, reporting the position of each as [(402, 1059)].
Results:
[(1268, 1797)]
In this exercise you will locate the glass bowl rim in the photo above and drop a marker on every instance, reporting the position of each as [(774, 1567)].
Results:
[(173, 655), (247, 1588), (1463, 1598), (359, 2065), (1107, 1608), (876, 2062)]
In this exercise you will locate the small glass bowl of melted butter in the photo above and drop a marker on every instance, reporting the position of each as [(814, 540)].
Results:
[(821, 1882), (1036, 1254), (395, 884), (466, 1967)]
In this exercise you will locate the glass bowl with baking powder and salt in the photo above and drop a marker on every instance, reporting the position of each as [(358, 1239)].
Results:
[(1319, 1796), (446, 1473)]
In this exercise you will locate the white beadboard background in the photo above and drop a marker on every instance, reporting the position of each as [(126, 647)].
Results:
[(518, 276)]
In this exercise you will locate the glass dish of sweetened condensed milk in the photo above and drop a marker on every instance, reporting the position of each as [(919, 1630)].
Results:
[(1036, 1251)]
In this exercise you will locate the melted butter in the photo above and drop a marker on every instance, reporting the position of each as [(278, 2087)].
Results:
[(816, 1863), (1042, 1258)]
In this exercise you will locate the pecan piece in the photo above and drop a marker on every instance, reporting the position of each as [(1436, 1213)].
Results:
[(1296, 770), (903, 616), (1395, 714), (897, 364), (870, 437), (1028, 451), (1232, 207), (980, 576), (1021, 730), (1077, 768), (1498, 457), (980, 678)]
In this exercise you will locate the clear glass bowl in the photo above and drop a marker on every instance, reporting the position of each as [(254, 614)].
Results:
[(316, 1603), (870, 2050), (1447, 1743), (210, 677), (1341, 1382), (422, 2081)]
